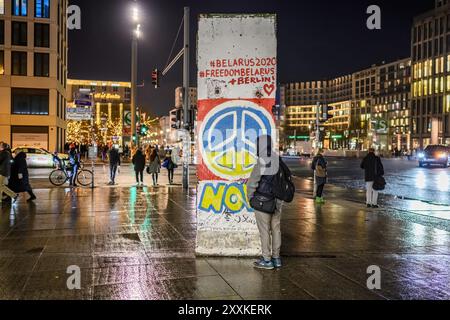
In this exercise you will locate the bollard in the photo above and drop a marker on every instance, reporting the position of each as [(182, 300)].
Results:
[(93, 175)]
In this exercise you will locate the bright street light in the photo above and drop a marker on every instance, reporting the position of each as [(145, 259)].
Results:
[(137, 32), (135, 14)]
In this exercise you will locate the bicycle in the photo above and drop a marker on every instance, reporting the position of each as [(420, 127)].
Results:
[(63, 173)]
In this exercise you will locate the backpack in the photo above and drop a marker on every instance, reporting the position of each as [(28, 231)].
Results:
[(282, 186)]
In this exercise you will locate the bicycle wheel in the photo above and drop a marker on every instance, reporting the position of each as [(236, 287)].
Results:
[(58, 177), (85, 178)]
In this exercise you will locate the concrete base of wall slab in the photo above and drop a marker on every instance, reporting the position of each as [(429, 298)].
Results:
[(228, 244)]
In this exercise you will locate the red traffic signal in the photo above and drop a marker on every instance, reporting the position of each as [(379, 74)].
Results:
[(155, 78)]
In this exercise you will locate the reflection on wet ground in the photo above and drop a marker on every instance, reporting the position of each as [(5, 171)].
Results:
[(139, 244)]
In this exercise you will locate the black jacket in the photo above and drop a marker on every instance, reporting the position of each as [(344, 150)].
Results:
[(372, 166), (74, 157), (139, 161), (19, 166), (5, 163), (114, 157)]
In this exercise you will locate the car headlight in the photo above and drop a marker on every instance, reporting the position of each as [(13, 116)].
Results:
[(421, 155)]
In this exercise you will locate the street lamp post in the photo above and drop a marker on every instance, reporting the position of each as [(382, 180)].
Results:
[(134, 61), (187, 101)]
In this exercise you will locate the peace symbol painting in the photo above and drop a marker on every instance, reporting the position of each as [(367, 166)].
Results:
[(237, 86)]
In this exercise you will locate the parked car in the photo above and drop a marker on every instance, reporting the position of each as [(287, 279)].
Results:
[(435, 155), (38, 157)]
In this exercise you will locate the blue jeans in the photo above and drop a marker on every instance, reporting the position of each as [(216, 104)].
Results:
[(113, 172), (73, 177)]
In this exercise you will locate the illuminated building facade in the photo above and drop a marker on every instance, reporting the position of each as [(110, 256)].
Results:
[(33, 73), (359, 106), (111, 107), (430, 107), (392, 106)]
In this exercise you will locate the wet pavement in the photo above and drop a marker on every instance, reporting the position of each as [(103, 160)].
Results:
[(138, 243)]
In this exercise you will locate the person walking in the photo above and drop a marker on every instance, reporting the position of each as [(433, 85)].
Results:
[(139, 166), (20, 178), (269, 225), (373, 168), (114, 164), (5, 172), (154, 167), (319, 166), (170, 165), (104, 152), (74, 160)]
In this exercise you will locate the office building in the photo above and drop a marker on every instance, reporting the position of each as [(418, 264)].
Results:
[(33, 73)]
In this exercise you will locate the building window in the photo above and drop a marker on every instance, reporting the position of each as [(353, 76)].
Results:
[(2, 6), (2, 31), (2, 62), (41, 64), (42, 35), (20, 8), (19, 63), (42, 9), (29, 101), (19, 33)]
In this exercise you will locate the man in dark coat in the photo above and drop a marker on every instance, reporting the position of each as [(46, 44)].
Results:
[(20, 179), (373, 168), (114, 164), (5, 172), (139, 166)]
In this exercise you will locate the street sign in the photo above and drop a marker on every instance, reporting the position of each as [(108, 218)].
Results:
[(78, 113), (127, 118), (83, 103), (92, 152)]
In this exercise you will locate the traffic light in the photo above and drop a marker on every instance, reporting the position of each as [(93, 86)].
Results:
[(326, 115), (192, 119), (322, 135), (138, 128), (178, 119), (276, 111), (143, 130), (155, 78)]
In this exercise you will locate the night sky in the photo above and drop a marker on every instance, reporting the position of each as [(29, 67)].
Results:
[(316, 39)]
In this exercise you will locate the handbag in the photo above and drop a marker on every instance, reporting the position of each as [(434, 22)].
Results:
[(379, 184), (321, 172), (264, 204), (165, 164), (148, 170), (263, 199)]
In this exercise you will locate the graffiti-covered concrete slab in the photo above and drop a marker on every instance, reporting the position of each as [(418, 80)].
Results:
[(237, 62)]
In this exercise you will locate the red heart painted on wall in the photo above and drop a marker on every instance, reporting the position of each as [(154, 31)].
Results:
[(269, 89)]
